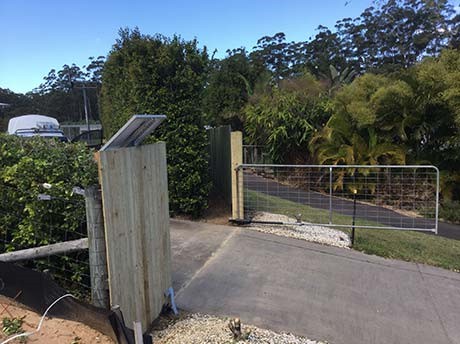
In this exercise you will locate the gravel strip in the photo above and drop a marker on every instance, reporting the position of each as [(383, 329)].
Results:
[(313, 233), (206, 329)]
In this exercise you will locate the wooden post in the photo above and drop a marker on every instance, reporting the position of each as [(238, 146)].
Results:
[(136, 215), (236, 142), (96, 246)]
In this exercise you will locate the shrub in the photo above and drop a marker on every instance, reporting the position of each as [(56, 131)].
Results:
[(25, 221), (25, 164), (450, 211), (285, 118), (158, 75)]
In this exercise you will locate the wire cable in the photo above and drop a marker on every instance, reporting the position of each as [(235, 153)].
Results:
[(26, 334)]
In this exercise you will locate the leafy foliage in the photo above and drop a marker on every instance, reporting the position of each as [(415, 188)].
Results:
[(25, 221), (25, 164), (391, 36), (274, 53), (450, 211), (396, 33), (432, 124), (230, 84), (367, 126), (377, 101), (12, 326), (335, 79), (285, 118), (380, 119), (155, 74), (339, 143)]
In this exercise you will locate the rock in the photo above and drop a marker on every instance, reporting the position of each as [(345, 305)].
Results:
[(308, 232), (198, 328)]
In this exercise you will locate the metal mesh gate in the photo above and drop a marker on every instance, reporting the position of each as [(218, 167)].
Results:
[(387, 197)]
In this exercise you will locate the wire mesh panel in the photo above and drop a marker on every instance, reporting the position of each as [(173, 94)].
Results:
[(42, 219), (391, 197)]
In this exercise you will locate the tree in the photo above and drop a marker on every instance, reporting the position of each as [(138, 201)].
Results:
[(159, 75), (229, 87), (434, 133), (18, 103), (272, 52), (376, 101), (396, 34), (284, 119), (61, 94), (341, 143), (415, 111), (367, 127), (323, 51)]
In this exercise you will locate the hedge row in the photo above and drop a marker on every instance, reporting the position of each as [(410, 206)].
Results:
[(25, 221), (158, 75)]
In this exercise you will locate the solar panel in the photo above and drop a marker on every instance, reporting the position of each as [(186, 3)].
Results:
[(134, 131)]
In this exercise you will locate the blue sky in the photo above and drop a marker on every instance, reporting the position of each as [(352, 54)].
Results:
[(39, 35)]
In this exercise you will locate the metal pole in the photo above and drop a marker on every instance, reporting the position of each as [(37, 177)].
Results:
[(138, 337), (241, 192), (354, 217), (437, 200), (238, 200), (330, 195), (86, 108), (96, 246)]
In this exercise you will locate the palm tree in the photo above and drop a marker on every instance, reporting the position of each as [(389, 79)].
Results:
[(340, 143)]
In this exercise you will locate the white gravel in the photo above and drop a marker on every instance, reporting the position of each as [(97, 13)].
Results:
[(308, 232), (206, 329)]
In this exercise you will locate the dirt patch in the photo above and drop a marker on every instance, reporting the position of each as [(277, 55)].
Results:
[(53, 330), (218, 212)]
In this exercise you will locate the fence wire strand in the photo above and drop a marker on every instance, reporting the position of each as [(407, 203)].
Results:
[(48, 226)]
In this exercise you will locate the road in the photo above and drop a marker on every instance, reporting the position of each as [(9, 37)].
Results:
[(343, 206), (324, 293)]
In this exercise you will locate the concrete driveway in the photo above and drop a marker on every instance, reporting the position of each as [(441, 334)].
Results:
[(324, 293)]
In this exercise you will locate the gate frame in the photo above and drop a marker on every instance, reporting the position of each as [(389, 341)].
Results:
[(239, 187)]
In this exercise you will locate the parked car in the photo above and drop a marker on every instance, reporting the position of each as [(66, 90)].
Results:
[(36, 125)]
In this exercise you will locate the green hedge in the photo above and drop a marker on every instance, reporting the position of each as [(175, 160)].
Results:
[(25, 165), (159, 75)]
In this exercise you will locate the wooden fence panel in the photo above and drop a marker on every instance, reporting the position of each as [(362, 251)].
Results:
[(135, 198), (220, 161)]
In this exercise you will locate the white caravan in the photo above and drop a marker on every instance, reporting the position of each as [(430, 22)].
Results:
[(36, 125)]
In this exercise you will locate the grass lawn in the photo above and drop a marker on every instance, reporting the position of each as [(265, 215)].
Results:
[(398, 244)]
